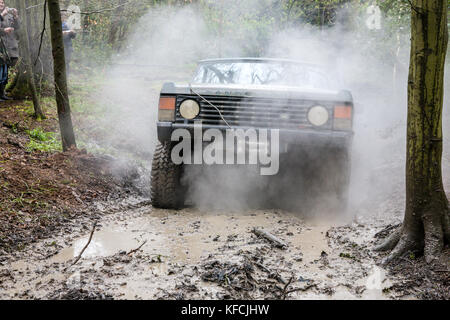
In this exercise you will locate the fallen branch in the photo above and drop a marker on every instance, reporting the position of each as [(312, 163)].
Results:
[(272, 274), (274, 240), (262, 267), (279, 278), (85, 247), (285, 292), (301, 289), (137, 249)]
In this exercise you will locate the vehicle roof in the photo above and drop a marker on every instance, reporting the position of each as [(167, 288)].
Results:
[(250, 59)]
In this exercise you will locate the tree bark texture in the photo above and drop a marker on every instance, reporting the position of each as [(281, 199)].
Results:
[(59, 69), (426, 223)]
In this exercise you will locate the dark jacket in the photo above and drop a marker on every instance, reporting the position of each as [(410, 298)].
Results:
[(67, 38), (10, 40)]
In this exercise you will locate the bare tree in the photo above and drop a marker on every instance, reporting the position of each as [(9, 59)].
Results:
[(426, 224), (39, 51), (24, 36), (59, 67), (117, 23)]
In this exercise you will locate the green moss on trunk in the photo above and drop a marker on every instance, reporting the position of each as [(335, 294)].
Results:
[(427, 210)]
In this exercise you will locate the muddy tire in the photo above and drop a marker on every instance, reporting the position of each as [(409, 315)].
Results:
[(166, 190), (323, 176), (340, 177)]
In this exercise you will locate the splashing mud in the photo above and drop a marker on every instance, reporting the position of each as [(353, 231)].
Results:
[(195, 254)]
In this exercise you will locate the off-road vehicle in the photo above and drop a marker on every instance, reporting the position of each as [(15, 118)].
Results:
[(314, 119)]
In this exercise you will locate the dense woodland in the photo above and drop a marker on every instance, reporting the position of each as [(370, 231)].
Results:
[(409, 28), (107, 25)]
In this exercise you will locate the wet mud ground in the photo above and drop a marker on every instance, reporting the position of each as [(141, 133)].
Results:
[(140, 252), (212, 254), (191, 254)]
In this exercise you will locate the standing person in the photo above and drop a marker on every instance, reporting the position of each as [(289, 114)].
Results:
[(68, 35), (4, 59), (9, 23)]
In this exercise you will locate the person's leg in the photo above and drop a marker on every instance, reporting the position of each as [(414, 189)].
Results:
[(3, 82), (68, 58), (3, 97), (2, 89)]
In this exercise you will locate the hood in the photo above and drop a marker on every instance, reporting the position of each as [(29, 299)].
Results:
[(261, 91)]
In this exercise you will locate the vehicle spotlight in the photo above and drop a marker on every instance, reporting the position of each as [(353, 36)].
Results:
[(318, 116), (189, 109)]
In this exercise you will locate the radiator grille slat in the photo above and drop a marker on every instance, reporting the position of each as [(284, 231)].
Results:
[(253, 112)]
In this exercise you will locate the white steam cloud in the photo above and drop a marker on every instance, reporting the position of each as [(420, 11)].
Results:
[(168, 41)]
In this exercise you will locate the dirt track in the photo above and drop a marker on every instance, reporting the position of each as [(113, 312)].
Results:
[(191, 254)]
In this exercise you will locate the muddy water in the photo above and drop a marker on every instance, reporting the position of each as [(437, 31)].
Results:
[(178, 242), (183, 236)]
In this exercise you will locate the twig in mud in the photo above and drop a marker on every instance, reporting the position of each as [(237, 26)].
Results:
[(279, 278), (49, 255), (272, 274), (266, 235), (262, 267), (85, 247), (276, 276), (137, 249), (284, 293), (301, 289)]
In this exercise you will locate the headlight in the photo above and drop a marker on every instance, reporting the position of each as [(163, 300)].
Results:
[(189, 109), (318, 116)]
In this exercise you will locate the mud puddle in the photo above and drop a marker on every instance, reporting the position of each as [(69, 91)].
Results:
[(191, 254)]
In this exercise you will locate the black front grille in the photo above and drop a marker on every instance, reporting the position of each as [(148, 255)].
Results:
[(252, 112)]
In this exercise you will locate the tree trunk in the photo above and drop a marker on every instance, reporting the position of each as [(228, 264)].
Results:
[(59, 67), (116, 24), (24, 36), (42, 65), (86, 22), (426, 223), (42, 61)]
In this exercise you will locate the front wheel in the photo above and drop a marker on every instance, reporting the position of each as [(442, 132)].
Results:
[(338, 176), (166, 190), (325, 176)]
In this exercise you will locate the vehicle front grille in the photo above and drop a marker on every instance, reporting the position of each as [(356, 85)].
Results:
[(252, 112)]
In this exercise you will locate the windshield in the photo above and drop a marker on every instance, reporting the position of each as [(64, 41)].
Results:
[(262, 73)]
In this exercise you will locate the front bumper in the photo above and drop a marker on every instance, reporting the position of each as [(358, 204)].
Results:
[(300, 137)]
